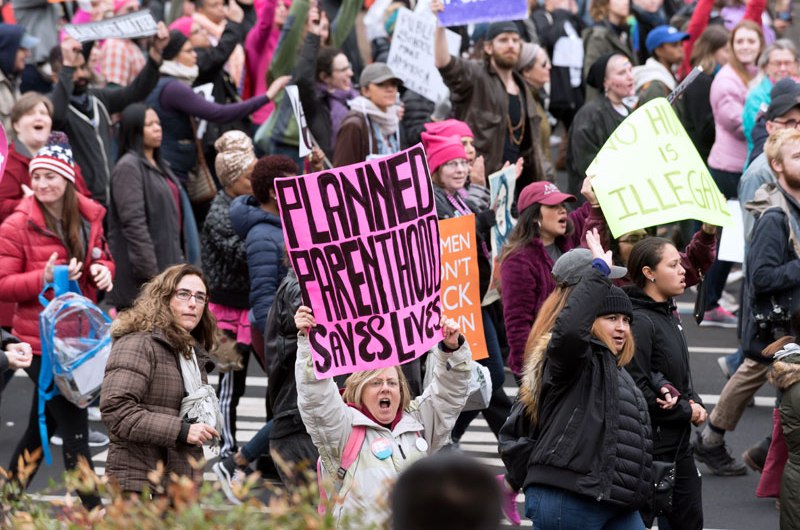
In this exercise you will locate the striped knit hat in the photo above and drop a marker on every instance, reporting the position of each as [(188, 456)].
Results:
[(56, 156)]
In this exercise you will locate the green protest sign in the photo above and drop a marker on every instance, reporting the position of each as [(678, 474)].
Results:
[(649, 173)]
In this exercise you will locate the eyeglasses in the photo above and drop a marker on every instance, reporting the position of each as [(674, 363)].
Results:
[(185, 295), (634, 238), (345, 68), (378, 383), (789, 124), (455, 164), (781, 64)]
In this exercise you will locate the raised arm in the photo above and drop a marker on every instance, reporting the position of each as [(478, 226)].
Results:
[(345, 20)]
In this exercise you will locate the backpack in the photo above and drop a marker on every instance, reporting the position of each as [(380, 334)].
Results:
[(76, 343), (351, 450), (515, 443)]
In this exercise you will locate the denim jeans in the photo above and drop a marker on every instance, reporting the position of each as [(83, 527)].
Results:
[(500, 404), (258, 444), (556, 509)]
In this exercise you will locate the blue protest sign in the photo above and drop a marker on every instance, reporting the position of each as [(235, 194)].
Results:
[(462, 12)]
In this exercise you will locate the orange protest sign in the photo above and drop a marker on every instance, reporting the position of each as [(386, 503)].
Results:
[(461, 294)]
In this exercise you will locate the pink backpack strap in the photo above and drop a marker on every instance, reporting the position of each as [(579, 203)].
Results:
[(351, 450)]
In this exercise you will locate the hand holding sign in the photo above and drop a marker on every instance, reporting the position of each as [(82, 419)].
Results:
[(450, 332), (304, 320)]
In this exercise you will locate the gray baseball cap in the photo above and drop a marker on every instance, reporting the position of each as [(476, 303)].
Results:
[(377, 73), (572, 266)]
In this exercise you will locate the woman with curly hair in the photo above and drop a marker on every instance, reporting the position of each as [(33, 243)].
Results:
[(164, 338)]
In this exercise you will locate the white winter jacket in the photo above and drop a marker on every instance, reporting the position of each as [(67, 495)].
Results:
[(329, 421)]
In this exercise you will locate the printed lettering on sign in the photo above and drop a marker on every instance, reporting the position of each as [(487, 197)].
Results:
[(649, 173), (364, 243)]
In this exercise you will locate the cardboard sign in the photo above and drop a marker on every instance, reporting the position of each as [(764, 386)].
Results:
[(649, 173), (3, 151), (363, 241), (132, 26), (411, 55), (306, 143), (461, 293), (463, 12), (731, 244)]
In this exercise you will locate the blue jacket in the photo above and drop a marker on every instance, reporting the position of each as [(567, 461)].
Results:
[(263, 237)]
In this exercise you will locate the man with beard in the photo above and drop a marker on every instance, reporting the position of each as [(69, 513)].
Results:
[(494, 100), (84, 113)]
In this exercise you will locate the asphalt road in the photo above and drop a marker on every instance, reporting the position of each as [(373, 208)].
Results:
[(729, 502)]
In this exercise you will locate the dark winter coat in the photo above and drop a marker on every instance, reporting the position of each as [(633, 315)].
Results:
[(144, 227), (662, 354), (773, 272), (417, 112), (263, 237), (224, 256), (315, 99), (25, 247), (140, 402), (480, 99), (564, 98), (91, 141), (698, 118), (592, 126), (593, 432), (280, 345), (525, 282)]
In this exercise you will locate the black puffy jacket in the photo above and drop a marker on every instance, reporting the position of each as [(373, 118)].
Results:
[(224, 256), (662, 356), (593, 431)]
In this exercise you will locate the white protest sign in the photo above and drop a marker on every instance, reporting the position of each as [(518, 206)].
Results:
[(306, 143), (731, 246), (206, 90), (411, 56), (502, 185), (132, 26), (373, 20)]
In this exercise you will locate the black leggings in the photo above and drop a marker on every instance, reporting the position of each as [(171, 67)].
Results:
[(73, 426)]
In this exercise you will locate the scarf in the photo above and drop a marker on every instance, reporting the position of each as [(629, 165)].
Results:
[(337, 102), (200, 403), (387, 121), (182, 73)]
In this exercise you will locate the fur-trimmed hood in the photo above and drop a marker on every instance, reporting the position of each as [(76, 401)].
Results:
[(784, 375)]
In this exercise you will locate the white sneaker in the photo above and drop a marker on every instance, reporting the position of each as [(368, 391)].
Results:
[(96, 439), (94, 414)]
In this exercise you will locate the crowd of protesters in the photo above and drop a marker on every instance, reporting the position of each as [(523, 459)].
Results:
[(146, 166)]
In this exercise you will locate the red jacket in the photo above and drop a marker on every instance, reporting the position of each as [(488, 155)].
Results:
[(26, 245), (16, 174)]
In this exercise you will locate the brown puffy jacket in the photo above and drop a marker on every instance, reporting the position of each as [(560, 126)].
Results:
[(140, 403)]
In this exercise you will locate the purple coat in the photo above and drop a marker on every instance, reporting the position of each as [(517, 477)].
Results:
[(526, 281)]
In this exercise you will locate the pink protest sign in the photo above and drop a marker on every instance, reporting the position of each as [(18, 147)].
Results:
[(3, 151), (363, 241)]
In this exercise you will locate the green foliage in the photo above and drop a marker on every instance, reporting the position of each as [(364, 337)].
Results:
[(180, 504)]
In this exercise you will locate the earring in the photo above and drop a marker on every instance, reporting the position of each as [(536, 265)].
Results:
[(652, 280)]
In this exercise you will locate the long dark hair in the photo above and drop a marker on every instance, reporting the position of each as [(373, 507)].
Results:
[(70, 223), (646, 253), (527, 229), (131, 132)]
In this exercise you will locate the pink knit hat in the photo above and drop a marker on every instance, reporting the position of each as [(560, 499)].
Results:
[(442, 149), (120, 4), (449, 128), (184, 25)]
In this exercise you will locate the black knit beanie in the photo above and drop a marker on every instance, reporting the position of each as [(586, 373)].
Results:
[(176, 42), (597, 71), (616, 302)]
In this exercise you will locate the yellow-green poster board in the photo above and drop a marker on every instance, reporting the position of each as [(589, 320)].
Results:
[(649, 173)]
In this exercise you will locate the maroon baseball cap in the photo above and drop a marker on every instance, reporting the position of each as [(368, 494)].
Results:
[(542, 192)]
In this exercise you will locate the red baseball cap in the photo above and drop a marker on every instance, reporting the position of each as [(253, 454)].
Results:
[(542, 192)]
